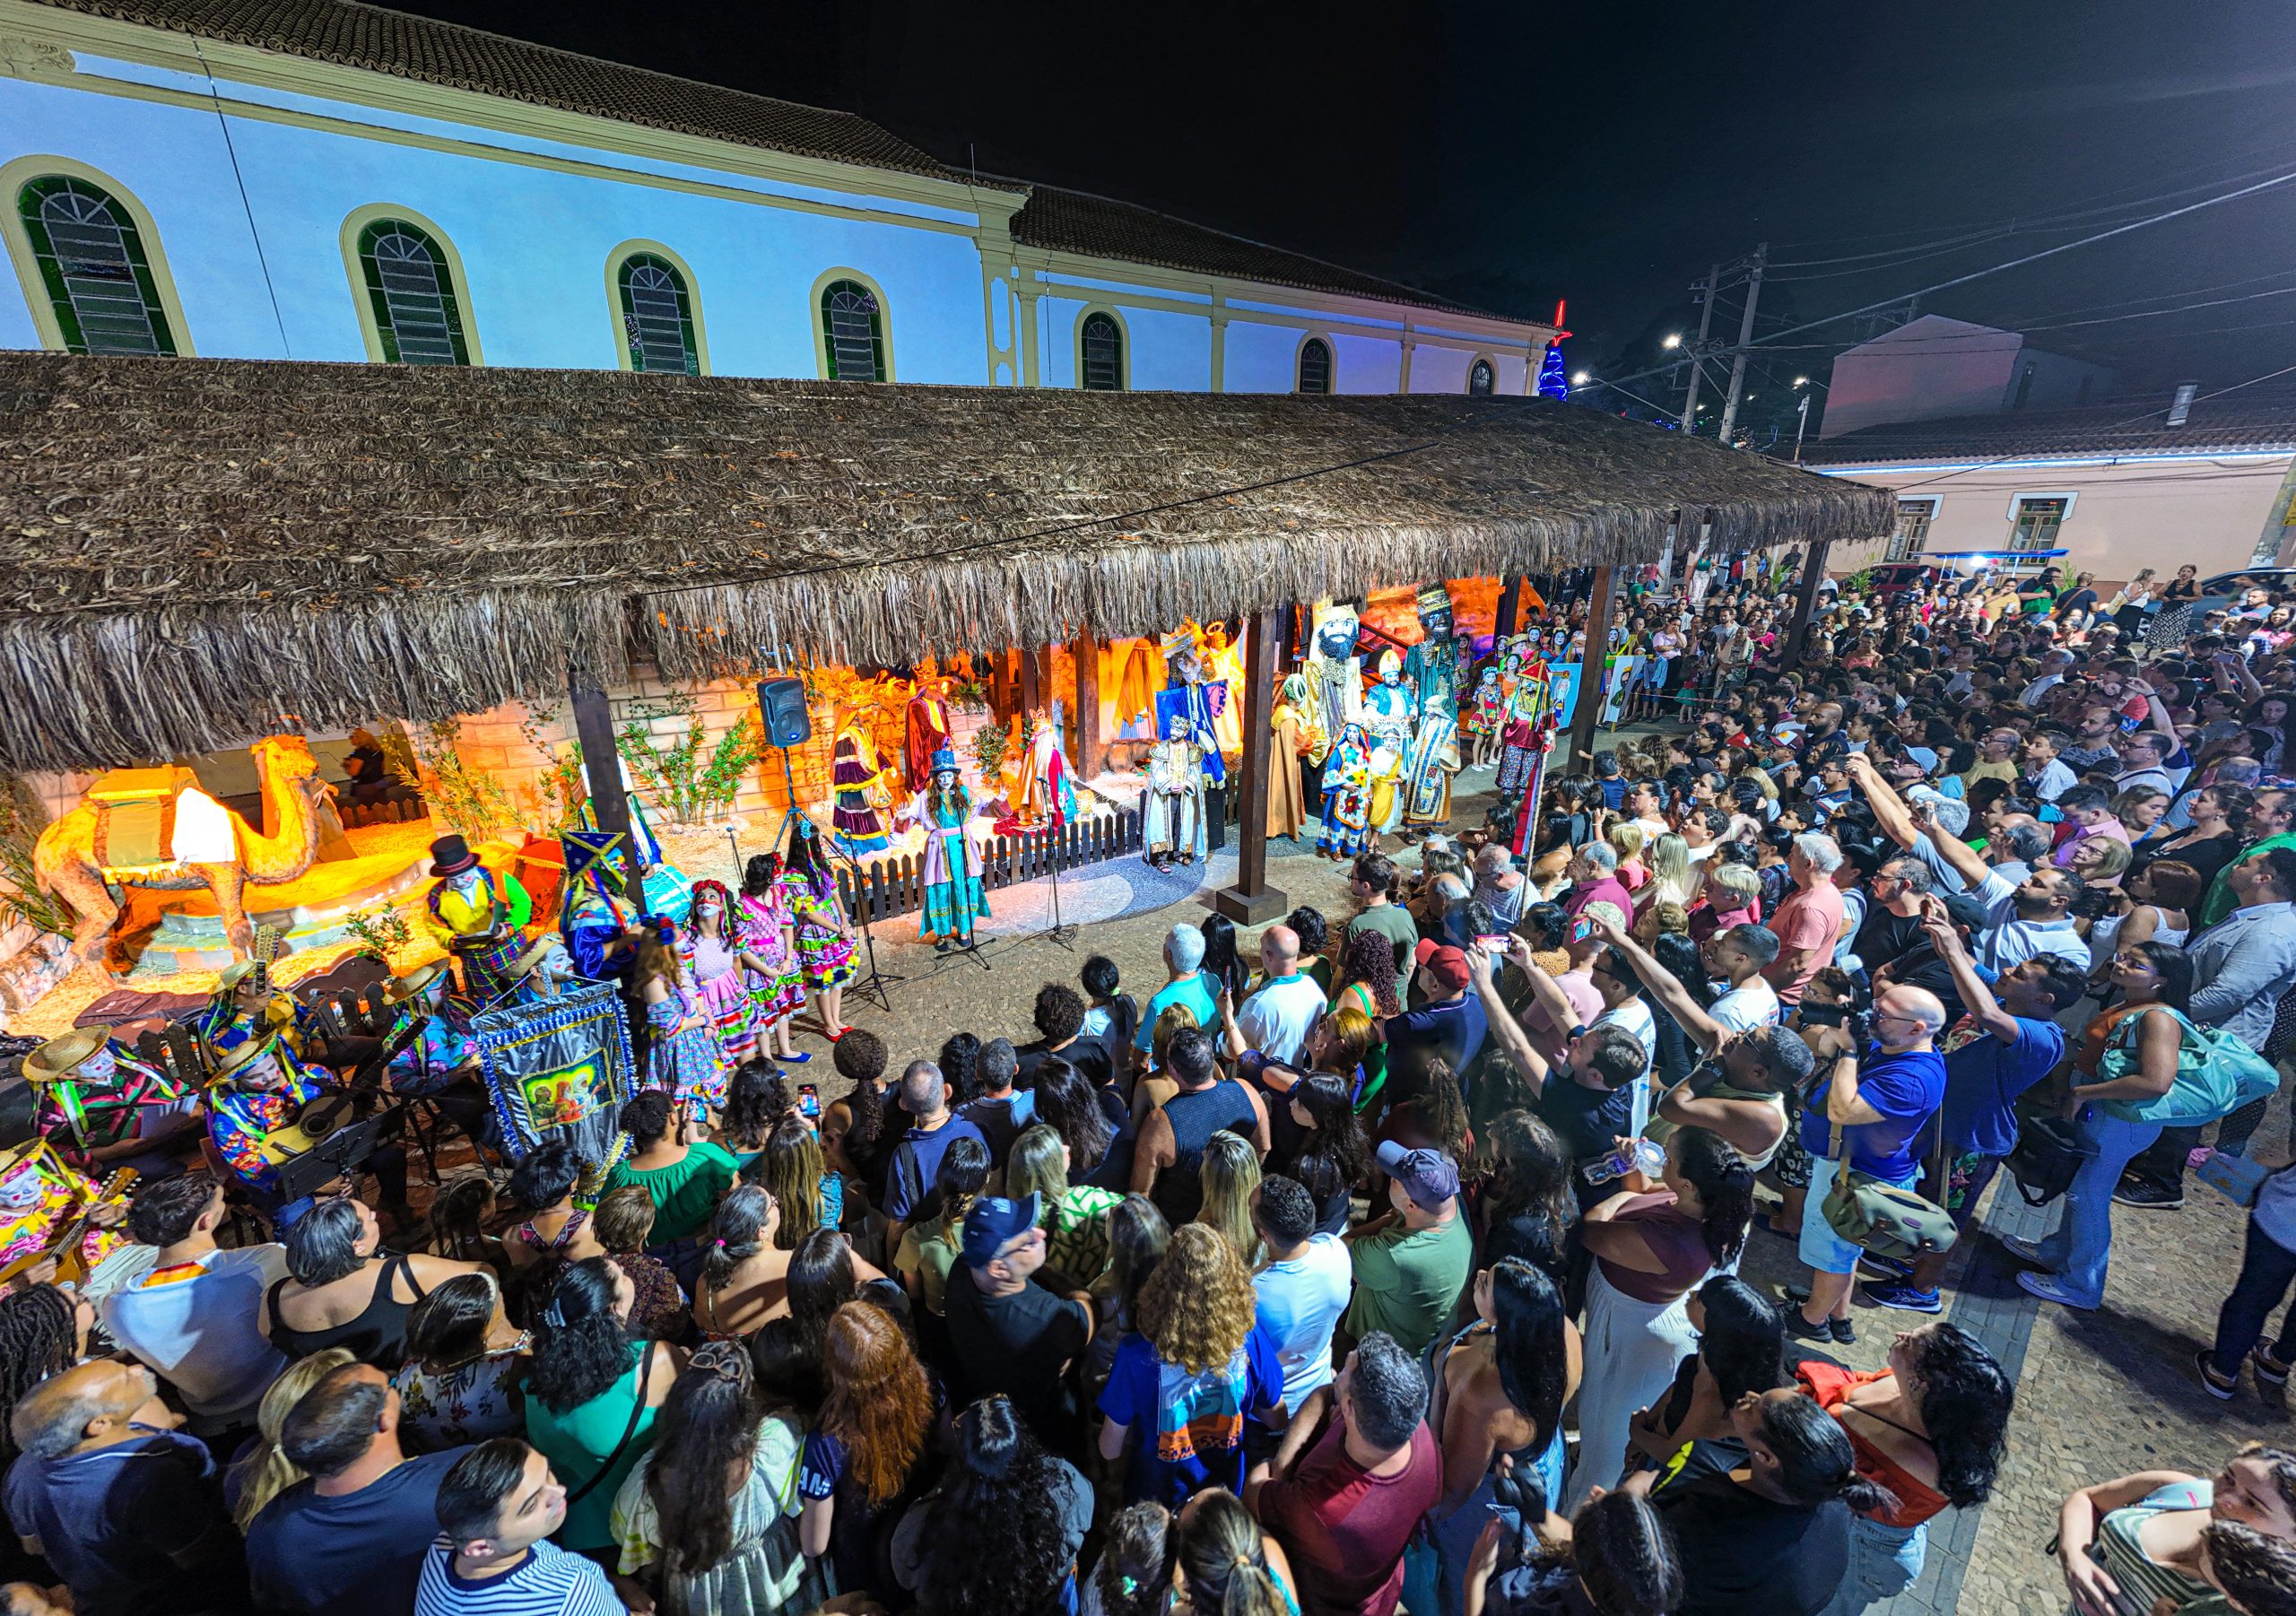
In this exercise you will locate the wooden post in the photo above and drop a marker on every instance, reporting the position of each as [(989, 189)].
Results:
[(1030, 693), (1805, 603), (1251, 900), (1510, 606), (602, 758), (1590, 667), (1000, 685), (1091, 756)]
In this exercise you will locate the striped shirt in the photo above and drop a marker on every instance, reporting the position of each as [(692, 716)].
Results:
[(551, 1582)]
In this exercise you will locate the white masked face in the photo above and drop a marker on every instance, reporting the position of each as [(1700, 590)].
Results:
[(98, 1069)]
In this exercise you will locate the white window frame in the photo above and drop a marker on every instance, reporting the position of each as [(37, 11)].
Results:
[(2070, 498), (1896, 550)]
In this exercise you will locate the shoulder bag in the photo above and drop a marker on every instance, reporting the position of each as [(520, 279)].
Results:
[(1877, 1216), (2216, 1075)]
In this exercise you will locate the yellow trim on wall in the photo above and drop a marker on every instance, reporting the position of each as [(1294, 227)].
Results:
[(14, 177), (614, 260), (1316, 334), (1123, 342), (1482, 356), (357, 219), (821, 284)]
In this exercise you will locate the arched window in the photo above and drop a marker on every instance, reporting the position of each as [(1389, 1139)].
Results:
[(412, 293), (1481, 378), (657, 316), (1314, 366), (1100, 349), (94, 268), (853, 332)]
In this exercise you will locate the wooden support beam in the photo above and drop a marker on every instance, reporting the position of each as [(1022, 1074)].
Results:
[(1510, 606), (1805, 601), (1000, 685), (1031, 686), (1091, 754), (1251, 900), (601, 760), (1590, 669)]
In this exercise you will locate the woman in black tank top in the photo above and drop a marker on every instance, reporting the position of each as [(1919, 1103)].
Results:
[(333, 1251)]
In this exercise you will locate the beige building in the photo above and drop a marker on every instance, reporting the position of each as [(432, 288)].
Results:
[(2119, 486)]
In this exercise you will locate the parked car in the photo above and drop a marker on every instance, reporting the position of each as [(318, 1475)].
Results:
[(2226, 587), (1896, 577)]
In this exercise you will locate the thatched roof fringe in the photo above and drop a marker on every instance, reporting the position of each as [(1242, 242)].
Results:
[(190, 549)]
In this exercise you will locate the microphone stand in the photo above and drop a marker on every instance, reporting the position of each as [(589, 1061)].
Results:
[(872, 985), (1056, 931)]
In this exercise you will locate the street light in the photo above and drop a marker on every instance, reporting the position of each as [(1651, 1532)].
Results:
[(1579, 378), (1674, 339), (1801, 381)]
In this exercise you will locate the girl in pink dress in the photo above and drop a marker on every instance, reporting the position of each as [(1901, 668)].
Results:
[(777, 988), (717, 970)]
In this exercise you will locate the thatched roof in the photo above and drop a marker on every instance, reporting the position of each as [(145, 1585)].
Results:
[(195, 546)]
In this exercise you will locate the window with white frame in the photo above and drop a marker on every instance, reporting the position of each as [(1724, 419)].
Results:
[(1911, 537), (2037, 520)]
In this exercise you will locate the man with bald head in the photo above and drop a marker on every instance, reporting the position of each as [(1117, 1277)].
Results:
[(1881, 1100), (1277, 1019)]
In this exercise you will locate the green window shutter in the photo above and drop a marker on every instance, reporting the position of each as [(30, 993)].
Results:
[(94, 268), (853, 332), (416, 312), (1103, 341), (657, 316)]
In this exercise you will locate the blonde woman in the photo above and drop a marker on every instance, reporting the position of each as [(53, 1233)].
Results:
[(1076, 1216), (1152, 1091), (1231, 1173), (1626, 840), (1672, 879), (266, 1472)]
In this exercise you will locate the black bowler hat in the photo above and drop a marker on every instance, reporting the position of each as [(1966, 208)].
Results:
[(451, 856)]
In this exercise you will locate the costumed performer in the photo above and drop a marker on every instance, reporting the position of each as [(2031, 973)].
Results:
[(859, 777), (50, 1211), (682, 1044), (257, 1092), (1482, 718), (927, 730), (1224, 665), (1335, 674), (104, 1106), (1432, 671), (601, 928), (1347, 796), (1528, 719), (719, 970), (817, 919), (953, 897), (245, 1006), (762, 922), (1048, 796), (1175, 828), (1390, 719), (1431, 667), (1194, 706), (473, 913), (441, 1064), (1294, 737), (661, 885)]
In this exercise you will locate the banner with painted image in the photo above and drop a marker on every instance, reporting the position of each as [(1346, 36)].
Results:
[(558, 1068), (1618, 680), (1563, 690)]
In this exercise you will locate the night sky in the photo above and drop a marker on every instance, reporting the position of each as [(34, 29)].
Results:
[(1507, 155)]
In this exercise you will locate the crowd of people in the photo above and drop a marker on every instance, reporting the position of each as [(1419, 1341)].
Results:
[(1386, 1259)]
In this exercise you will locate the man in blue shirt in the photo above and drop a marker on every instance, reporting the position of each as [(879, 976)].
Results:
[(2008, 1042), (1450, 1026), (916, 1159), (1188, 986), (1883, 1106)]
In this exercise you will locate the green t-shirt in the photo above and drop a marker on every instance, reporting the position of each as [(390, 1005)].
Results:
[(1407, 1280), (1392, 922), (684, 1193), (576, 1443)]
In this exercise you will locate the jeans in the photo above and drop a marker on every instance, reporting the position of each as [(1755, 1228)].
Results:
[(1885, 1562), (2077, 1250), (2267, 1268)]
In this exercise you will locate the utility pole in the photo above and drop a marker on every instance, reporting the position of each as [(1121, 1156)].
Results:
[(1746, 339), (1698, 350)]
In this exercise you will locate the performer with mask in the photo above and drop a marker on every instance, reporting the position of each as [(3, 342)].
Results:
[(761, 920), (104, 1106), (1347, 796), (475, 915), (720, 969), (441, 1064), (601, 928), (953, 896), (1334, 674), (1431, 670), (1175, 828), (1391, 720), (817, 917)]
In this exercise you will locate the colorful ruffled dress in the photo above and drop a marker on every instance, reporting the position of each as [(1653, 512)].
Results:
[(823, 950), (685, 1063), (761, 921), (713, 967)]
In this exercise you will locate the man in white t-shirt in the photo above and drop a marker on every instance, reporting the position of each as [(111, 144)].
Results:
[(1276, 1019), (1740, 955), (1303, 1289)]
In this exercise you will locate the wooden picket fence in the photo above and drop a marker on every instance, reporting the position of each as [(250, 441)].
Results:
[(896, 886)]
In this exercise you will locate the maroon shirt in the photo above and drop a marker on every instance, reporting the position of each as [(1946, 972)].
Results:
[(1344, 1528)]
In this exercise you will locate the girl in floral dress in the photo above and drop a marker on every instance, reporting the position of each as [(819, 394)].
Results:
[(824, 936), (761, 920), (719, 968), (682, 1056)]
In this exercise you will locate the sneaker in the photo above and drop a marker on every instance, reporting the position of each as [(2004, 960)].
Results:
[(1872, 1267), (1795, 1295), (2150, 1197), (2050, 1288), (2216, 1385), (1844, 1333), (1906, 1298), (2268, 1368), (1802, 1329), (2024, 1250)]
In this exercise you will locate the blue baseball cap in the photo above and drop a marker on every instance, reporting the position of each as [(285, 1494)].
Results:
[(992, 1222)]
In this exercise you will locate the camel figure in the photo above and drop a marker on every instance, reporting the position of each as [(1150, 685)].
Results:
[(65, 861)]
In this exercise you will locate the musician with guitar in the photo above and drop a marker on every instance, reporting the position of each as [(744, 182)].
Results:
[(103, 1106), (265, 1109)]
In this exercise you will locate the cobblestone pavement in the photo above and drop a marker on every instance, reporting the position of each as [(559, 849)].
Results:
[(2099, 1395)]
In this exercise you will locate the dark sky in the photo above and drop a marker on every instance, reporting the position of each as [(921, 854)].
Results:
[(1508, 155)]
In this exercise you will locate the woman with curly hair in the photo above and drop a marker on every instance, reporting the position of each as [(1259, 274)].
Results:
[(1366, 976), (708, 1519), (757, 1098), (1329, 1155), (867, 1456), (810, 1196), (43, 1332), (1198, 1368), (1230, 1172), (592, 1394), (859, 1132), (959, 1065), (999, 1537)]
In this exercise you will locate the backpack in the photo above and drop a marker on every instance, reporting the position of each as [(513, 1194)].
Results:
[(2216, 1075), (2050, 1153)]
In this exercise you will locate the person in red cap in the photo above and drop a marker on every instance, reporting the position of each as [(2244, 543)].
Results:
[(1449, 1026)]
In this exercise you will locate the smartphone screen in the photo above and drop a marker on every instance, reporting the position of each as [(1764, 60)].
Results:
[(1580, 930), (1491, 943), (808, 1101)]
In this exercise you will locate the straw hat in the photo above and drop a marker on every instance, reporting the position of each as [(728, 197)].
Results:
[(414, 984), (59, 1058), (244, 1054)]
